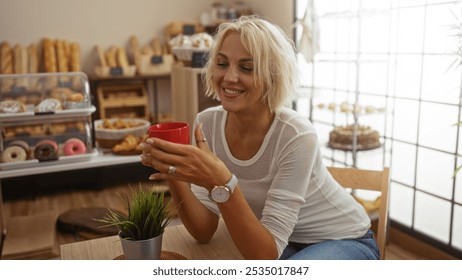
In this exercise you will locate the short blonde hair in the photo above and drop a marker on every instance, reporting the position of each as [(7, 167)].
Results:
[(273, 54)]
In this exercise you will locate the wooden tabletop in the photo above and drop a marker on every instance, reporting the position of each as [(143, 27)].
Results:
[(176, 239)]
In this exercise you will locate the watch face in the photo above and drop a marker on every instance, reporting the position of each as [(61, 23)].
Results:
[(220, 194)]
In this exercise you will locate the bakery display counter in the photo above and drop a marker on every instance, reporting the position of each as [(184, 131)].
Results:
[(45, 118)]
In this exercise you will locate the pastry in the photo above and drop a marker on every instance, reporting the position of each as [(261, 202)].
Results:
[(128, 146), (12, 106), (49, 105), (46, 150), (16, 151), (74, 146)]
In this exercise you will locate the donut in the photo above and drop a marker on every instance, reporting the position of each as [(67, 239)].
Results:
[(14, 154), (49, 105), (22, 144), (46, 150), (74, 146), (12, 106)]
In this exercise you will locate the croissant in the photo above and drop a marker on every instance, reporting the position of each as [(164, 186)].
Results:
[(129, 144)]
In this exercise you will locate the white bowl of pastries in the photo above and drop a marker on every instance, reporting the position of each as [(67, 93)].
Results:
[(110, 132)]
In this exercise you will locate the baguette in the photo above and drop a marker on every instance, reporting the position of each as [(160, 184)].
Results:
[(111, 56), (6, 61), (156, 46), (63, 64), (135, 48), (49, 55), (74, 57), (33, 66), (122, 60), (101, 57)]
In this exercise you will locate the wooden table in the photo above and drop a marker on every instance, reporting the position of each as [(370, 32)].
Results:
[(176, 239)]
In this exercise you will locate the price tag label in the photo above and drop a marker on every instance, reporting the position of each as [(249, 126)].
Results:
[(199, 59), (157, 59), (18, 89), (189, 29), (116, 71)]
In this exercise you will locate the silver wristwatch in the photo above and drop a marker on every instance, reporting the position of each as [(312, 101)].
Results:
[(221, 194)]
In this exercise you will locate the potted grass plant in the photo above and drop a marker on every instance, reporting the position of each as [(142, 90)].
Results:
[(142, 227)]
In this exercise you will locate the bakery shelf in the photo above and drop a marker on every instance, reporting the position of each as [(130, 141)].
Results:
[(97, 159), (34, 116), (61, 160)]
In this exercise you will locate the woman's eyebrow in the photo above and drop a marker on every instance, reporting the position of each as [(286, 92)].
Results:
[(249, 59)]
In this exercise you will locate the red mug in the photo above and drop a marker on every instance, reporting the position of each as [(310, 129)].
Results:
[(177, 132)]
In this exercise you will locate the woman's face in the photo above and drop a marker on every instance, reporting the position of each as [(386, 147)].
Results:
[(233, 77)]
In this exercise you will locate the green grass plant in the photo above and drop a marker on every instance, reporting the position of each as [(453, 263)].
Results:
[(147, 215)]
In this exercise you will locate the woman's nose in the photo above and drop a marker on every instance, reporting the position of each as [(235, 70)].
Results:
[(231, 74)]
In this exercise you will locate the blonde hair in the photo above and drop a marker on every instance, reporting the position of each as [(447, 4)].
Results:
[(273, 54)]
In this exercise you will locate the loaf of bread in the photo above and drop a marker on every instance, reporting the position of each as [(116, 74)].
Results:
[(122, 59), (156, 46), (61, 56), (33, 66), (101, 57), (135, 49), (20, 59), (6, 58), (74, 57), (111, 56), (49, 55)]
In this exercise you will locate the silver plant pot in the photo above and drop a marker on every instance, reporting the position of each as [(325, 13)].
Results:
[(148, 249)]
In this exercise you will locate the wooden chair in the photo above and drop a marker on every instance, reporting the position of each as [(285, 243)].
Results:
[(360, 179)]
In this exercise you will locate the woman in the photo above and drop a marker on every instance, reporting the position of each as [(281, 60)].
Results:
[(256, 162)]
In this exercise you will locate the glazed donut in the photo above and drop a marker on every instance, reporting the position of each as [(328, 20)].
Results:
[(49, 105), (14, 154), (46, 150), (12, 107), (74, 146)]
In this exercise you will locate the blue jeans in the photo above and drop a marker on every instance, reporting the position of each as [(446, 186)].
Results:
[(363, 248)]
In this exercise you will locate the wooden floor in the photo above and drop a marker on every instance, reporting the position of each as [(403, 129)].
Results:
[(60, 201)]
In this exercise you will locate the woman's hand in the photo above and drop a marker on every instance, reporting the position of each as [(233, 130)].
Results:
[(197, 165)]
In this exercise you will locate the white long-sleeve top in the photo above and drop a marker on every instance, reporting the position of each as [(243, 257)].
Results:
[(286, 183)]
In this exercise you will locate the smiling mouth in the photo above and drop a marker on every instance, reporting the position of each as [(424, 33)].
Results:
[(232, 91)]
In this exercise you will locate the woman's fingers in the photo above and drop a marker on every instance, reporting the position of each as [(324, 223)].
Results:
[(201, 141)]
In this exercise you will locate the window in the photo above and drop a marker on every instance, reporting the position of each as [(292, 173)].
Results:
[(396, 55)]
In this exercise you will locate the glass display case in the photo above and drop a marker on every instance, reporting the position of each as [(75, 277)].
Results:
[(45, 118)]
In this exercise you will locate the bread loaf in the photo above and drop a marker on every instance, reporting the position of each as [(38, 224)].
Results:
[(61, 55), (6, 58), (111, 56), (101, 57), (49, 55), (20, 59), (33, 66), (122, 59), (135, 49), (156, 46), (74, 57)]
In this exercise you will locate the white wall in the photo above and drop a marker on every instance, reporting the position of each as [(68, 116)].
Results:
[(107, 22)]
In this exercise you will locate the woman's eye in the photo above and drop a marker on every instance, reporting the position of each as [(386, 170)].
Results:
[(246, 68), (222, 64)]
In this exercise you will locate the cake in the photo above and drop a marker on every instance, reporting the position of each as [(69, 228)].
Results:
[(342, 138)]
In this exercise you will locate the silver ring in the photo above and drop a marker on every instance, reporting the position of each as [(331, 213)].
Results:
[(201, 140), (171, 170)]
